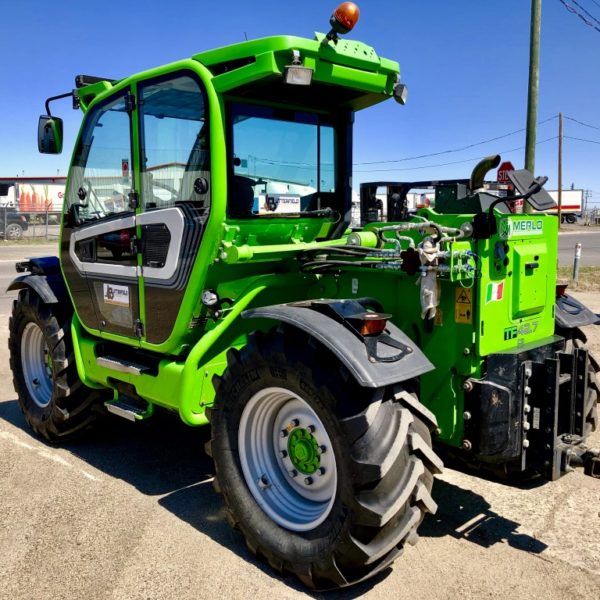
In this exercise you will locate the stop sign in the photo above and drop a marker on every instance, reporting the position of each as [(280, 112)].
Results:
[(503, 170)]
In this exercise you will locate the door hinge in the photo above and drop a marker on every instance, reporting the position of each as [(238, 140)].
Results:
[(133, 199), (130, 102), (138, 328)]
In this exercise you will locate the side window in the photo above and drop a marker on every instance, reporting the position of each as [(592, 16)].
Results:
[(175, 160), (101, 176)]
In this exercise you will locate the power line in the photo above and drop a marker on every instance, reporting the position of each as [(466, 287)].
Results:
[(452, 150), (585, 11), (582, 123), (568, 137), (574, 11), (456, 162)]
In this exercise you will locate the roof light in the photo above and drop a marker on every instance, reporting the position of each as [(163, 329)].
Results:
[(296, 74), (344, 17), (343, 20), (400, 93)]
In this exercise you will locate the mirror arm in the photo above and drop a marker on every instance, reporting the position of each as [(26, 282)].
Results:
[(51, 99)]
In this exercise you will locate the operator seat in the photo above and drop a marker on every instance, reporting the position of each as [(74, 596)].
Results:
[(241, 198)]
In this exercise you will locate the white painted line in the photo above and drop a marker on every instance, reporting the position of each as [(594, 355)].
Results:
[(44, 453)]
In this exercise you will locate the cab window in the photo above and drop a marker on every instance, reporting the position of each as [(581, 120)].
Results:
[(101, 176), (175, 151)]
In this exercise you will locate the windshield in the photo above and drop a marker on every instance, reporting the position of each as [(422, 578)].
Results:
[(283, 162)]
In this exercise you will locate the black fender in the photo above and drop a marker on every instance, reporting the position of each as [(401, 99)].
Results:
[(44, 278), (570, 313), (347, 346)]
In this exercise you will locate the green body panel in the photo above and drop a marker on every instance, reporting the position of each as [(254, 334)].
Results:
[(525, 311), (254, 262), (349, 63)]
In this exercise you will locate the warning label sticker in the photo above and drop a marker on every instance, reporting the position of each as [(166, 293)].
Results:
[(463, 307)]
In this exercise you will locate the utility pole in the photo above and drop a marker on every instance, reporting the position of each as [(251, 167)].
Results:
[(534, 77), (560, 145)]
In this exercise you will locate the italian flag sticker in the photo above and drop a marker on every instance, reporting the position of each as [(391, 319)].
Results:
[(494, 292)]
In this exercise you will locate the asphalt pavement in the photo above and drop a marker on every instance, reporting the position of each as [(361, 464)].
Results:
[(130, 514)]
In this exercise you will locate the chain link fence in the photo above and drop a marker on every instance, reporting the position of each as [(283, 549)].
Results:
[(16, 225)]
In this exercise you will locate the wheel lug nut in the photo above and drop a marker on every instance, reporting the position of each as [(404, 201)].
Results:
[(308, 480), (322, 449), (295, 422), (293, 473), (321, 471), (311, 429), (283, 453), (284, 433)]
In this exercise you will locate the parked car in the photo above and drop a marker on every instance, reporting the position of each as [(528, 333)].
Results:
[(12, 224)]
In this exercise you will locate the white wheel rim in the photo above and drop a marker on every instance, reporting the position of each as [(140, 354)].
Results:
[(13, 232), (296, 500), (35, 363)]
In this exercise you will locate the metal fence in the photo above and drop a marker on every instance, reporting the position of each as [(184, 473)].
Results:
[(16, 225), (591, 217)]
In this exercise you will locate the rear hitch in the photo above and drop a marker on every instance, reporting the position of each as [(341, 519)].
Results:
[(580, 456), (591, 463)]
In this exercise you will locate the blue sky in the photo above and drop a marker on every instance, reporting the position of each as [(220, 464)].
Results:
[(465, 63)]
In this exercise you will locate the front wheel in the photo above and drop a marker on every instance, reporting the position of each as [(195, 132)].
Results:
[(54, 401), (325, 479)]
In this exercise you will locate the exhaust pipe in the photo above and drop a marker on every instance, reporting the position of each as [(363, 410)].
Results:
[(481, 169)]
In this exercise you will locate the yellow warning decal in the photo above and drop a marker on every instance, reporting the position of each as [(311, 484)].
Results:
[(439, 318), (463, 308)]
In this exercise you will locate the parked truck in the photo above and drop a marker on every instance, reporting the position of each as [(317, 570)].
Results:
[(326, 362), (34, 198), (571, 204)]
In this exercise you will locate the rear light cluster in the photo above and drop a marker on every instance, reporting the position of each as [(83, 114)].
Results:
[(373, 323)]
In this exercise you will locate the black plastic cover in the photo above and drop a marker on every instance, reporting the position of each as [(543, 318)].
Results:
[(45, 279), (571, 313), (351, 350), (522, 179)]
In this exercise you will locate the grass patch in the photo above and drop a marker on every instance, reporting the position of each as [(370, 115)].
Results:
[(589, 278)]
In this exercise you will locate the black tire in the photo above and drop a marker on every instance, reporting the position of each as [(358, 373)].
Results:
[(593, 396), (572, 219), (577, 339), (60, 406), (381, 440), (14, 231)]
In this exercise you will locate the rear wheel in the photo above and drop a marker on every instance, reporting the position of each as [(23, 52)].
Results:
[(325, 479), (54, 401), (14, 231)]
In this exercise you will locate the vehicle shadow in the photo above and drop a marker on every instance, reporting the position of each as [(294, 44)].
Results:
[(162, 457), (463, 514)]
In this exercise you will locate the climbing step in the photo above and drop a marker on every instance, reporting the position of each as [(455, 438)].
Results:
[(121, 365), (129, 408)]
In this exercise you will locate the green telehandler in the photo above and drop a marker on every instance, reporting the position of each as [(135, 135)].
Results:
[(206, 266)]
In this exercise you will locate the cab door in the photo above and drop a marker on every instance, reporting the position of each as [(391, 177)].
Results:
[(98, 249), (175, 194)]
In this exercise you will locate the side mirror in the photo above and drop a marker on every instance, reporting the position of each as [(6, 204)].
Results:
[(50, 135)]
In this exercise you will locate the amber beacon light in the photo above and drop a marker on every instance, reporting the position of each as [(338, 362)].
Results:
[(343, 20)]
